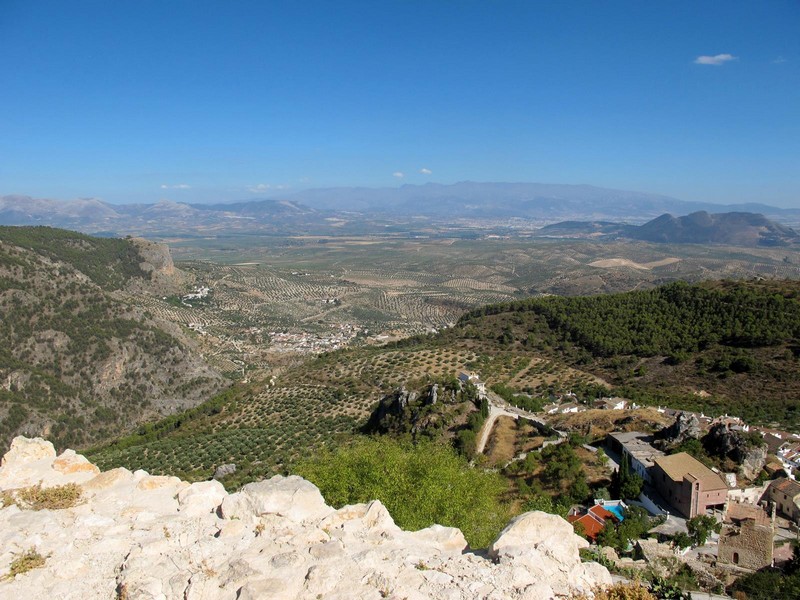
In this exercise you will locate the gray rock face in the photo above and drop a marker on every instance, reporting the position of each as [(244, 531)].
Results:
[(147, 537), (224, 470), (724, 441), (685, 427), (753, 462), (434, 395)]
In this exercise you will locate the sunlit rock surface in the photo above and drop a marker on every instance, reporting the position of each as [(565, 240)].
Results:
[(137, 536)]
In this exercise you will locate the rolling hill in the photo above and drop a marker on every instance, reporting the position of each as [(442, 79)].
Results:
[(724, 347), (731, 228), (79, 362)]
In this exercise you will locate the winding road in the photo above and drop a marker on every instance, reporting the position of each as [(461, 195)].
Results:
[(500, 408)]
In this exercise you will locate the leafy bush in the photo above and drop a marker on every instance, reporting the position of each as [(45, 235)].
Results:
[(419, 484)]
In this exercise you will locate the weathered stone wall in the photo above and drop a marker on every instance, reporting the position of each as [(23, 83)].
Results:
[(748, 546), (138, 536)]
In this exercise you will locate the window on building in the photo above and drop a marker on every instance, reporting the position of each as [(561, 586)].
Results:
[(736, 558)]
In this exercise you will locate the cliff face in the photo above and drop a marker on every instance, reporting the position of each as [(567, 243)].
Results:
[(133, 535)]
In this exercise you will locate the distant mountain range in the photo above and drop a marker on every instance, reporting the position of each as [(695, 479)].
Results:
[(539, 201), (367, 210), (732, 228), (95, 216)]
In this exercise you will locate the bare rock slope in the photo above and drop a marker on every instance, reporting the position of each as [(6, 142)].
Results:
[(134, 535)]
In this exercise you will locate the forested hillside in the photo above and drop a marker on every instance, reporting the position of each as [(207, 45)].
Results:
[(721, 347), (76, 364)]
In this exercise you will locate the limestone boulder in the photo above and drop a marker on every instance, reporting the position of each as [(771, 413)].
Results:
[(69, 462), (291, 497), (444, 539), (539, 531), (33, 462), (25, 450), (201, 498), (549, 548), (109, 479), (153, 537), (224, 470), (371, 516)]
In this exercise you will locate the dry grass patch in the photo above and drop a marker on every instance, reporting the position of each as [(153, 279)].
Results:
[(620, 591), (27, 561), (38, 498), (596, 470), (500, 447), (597, 423)]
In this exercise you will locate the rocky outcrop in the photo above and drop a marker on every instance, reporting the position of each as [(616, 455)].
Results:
[(685, 427), (138, 536), (223, 471), (749, 452), (753, 462), (163, 278)]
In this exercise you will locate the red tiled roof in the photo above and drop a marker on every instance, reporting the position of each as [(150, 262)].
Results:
[(591, 526), (741, 512), (787, 486), (601, 512)]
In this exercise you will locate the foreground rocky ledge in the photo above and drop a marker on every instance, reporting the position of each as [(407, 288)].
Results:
[(135, 535)]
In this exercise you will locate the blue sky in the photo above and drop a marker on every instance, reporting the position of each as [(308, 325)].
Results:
[(138, 101)]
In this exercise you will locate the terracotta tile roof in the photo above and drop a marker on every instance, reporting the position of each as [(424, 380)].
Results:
[(602, 513), (773, 442), (679, 465), (787, 486), (591, 526), (737, 511)]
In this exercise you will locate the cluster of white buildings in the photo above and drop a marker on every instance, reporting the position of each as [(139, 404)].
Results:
[(199, 293), (313, 343)]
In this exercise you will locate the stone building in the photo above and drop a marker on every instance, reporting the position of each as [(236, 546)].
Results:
[(746, 539), (688, 485), (784, 494)]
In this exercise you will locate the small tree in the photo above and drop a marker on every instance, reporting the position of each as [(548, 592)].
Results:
[(602, 494), (631, 487), (608, 536), (635, 525), (626, 483), (701, 527), (681, 540)]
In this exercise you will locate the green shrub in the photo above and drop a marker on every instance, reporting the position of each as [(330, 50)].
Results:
[(419, 484)]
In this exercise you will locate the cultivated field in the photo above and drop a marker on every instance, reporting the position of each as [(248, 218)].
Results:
[(276, 296)]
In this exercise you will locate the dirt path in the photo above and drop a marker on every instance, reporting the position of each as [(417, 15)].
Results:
[(488, 425), (499, 408)]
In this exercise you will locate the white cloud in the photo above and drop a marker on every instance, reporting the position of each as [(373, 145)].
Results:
[(779, 60), (716, 60), (177, 186), (425, 171), (398, 174), (263, 187)]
